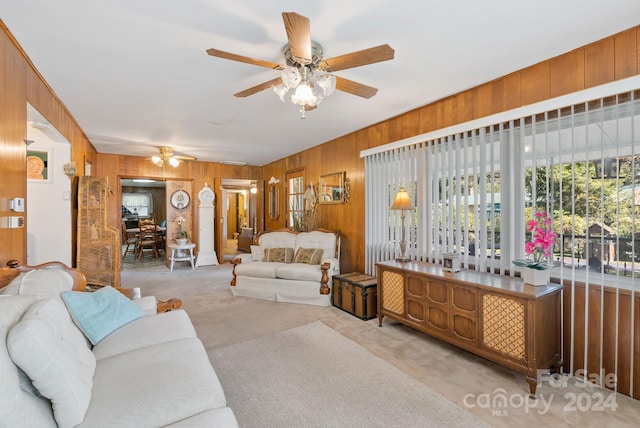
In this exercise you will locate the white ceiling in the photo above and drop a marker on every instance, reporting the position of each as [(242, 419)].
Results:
[(136, 76)]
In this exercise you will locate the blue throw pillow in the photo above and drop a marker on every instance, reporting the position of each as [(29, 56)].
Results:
[(100, 313)]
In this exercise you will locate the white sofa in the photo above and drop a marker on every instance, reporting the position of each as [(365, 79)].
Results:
[(151, 372), (297, 278)]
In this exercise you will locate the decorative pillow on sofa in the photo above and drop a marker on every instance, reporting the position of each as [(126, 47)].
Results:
[(100, 313), (311, 256), (280, 255), (21, 404), (257, 252), (52, 352)]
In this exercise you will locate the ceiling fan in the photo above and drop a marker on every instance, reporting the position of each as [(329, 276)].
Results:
[(167, 155), (307, 75)]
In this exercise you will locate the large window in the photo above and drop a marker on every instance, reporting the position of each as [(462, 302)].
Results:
[(474, 190), (140, 204)]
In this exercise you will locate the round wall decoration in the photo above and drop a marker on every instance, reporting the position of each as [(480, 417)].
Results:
[(180, 199)]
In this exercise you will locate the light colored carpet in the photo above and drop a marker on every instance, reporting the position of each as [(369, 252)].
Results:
[(222, 320), (312, 376)]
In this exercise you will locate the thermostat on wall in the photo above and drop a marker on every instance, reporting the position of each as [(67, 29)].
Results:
[(17, 205)]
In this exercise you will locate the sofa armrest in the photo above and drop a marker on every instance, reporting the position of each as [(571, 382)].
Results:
[(241, 258), (334, 266), (148, 304), (244, 258), (160, 305)]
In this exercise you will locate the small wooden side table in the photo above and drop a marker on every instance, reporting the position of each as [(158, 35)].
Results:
[(182, 253)]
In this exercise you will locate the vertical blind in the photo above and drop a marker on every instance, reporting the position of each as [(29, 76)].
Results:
[(473, 191)]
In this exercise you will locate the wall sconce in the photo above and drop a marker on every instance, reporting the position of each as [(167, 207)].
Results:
[(606, 168), (69, 169), (254, 188)]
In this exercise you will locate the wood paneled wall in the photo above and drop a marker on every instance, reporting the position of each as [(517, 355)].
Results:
[(21, 83), (613, 58), (610, 311), (115, 167)]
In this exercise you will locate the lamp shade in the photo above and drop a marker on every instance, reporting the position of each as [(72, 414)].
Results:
[(402, 201)]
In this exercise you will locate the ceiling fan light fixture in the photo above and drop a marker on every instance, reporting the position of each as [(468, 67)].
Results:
[(281, 91), (291, 77), (328, 84), (307, 75), (166, 155), (304, 95)]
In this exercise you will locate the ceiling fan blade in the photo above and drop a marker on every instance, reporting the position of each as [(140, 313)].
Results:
[(245, 59), (356, 59), (299, 35), (355, 88), (258, 88)]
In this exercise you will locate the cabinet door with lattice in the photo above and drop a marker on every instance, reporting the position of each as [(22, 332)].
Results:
[(98, 253), (391, 292), (504, 326)]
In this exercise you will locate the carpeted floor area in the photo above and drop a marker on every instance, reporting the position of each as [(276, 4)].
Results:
[(474, 384), (312, 376)]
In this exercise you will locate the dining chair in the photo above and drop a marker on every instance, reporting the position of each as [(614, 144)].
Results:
[(147, 239), (129, 240)]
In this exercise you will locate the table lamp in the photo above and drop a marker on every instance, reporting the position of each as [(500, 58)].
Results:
[(402, 203)]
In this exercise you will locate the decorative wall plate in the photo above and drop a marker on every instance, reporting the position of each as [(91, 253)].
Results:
[(180, 199)]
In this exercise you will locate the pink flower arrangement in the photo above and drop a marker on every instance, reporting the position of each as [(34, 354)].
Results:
[(541, 245)]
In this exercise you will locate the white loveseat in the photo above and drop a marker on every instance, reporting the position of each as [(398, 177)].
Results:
[(303, 276), (151, 372)]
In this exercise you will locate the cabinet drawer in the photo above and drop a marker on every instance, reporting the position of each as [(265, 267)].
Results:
[(437, 292), (416, 287), (438, 318), (464, 298), (464, 327), (416, 311)]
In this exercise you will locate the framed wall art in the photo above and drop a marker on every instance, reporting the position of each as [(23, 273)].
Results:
[(38, 163)]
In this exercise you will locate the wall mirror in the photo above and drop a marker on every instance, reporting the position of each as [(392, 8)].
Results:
[(332, 188), (274, 212)]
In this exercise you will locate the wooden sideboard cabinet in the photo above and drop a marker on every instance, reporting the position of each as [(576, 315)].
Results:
[(495, 316)]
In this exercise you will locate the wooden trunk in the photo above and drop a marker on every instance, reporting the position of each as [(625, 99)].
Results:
[(356, 293)]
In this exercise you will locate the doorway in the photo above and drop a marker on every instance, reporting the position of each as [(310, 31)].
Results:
[(238, 216), (48, 201), (142, 200)]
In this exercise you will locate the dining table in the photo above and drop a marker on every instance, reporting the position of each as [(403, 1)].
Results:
[(134, 230)]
